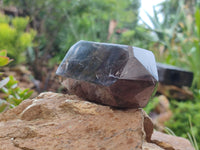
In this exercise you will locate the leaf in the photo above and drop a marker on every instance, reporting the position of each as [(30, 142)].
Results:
[(4, 82), (30, 92), (4, 60), (12, 82), (3, 53), (15, 101), (154, 22), (155, 14), (197, 18), (3, 105), (14, 86), (21, 94), (5, 90)]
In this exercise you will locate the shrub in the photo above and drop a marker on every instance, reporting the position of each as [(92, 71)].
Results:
[(13, 95), (183, 112), (14, 37)]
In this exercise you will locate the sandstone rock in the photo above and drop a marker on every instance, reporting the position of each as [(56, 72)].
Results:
[(151, 146), (56, 121), (148, 126), (161, 113), (163, 105), (170, 142)]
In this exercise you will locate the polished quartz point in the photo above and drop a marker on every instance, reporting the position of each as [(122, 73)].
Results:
[(110, 74)]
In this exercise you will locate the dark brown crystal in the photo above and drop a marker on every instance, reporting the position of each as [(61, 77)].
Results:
[(110, 74), (171, 75)]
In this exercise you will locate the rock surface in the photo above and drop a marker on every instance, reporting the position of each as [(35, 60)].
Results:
[(64, 122), (161, 113), (56, 121), (170, 142), (151, 146)]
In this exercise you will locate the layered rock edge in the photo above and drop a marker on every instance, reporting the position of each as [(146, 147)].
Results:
[(62, 122)]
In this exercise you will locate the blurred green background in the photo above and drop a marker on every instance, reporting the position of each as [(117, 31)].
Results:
[(38, 33)]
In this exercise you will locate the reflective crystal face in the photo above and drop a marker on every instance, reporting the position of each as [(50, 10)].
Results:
[(110, 74)]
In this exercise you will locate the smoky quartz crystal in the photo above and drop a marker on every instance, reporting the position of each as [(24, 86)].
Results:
[(110, 74)]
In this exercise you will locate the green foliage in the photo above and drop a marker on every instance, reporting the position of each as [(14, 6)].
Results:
[(151, 105), (20, 23), (191, 49), (4, 60), (14, 37), (192, 137), (165, 32), (13, 95), (62, 23), (127, 36), (177, 41), (186, 46), (180, 122), (87, 26), (177, 37)]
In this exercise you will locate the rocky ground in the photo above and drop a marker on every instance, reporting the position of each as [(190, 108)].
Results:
[(55, 121)]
